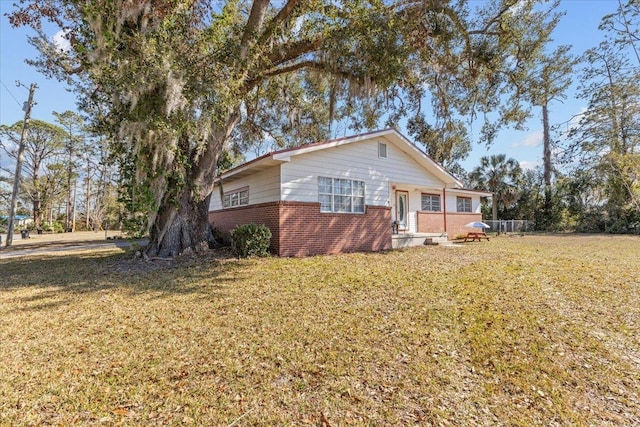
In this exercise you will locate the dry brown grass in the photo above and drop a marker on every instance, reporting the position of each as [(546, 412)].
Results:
[(540, 330)]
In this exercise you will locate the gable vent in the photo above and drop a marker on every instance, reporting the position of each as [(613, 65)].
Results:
[(382, 150)]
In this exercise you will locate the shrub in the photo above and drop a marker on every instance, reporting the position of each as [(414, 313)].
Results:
[(250, 240), (52, 227)]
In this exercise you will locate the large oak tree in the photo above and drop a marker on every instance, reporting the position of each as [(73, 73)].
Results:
[(182, 79)]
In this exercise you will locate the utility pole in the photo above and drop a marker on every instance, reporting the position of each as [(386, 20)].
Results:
[(19, 160)]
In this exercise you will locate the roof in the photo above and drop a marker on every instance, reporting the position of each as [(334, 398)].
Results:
[(471, 192), (16, 217), (391, 135)]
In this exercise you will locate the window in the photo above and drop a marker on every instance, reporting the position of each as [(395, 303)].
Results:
[(236, 198), (463, 204), (431, 202), (382, 150), (340, 195)]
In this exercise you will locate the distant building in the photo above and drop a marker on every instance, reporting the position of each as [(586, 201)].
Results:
[(19, 221)]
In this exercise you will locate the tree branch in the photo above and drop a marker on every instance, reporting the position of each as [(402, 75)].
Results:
[(283, 15), (254, 25), (493, 20), (51, 58), (294, 50), (284, 55), (308, 64)]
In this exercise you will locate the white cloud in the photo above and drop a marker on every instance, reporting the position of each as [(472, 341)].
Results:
[(528, 165), (532, 140), (61, 42)]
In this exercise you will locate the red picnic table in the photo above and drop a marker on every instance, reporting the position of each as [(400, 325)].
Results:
[(475, 236)]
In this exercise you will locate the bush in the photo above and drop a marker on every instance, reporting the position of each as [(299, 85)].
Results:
[(250, 240), (591, 222), (52, 227)]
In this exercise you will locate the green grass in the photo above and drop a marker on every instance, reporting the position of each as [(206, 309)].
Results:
[(518, 331)]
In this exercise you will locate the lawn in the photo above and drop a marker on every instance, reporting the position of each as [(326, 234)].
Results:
[(518, 331)]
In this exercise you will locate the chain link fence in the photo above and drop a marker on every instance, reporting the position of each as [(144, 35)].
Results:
[(510, 225)]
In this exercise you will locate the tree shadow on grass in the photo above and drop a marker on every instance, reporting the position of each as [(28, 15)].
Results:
[(57, 281)]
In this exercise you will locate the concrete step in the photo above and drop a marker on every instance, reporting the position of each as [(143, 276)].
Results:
[(449, 243), (417, 239), (440, 240)]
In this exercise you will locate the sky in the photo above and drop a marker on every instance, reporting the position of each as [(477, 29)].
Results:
[(578, 28)]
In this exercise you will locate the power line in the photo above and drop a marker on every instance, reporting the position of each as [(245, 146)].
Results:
[(14, 98)]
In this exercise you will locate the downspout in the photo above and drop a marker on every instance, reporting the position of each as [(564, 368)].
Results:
[(444, 208)]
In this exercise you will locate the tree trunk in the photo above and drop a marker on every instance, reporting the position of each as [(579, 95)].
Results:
[(547, 145), (180, 226), (87, 203), (67, 215), (547, 167), (547, 220), (494, 207), (182, 221), (37, 210)]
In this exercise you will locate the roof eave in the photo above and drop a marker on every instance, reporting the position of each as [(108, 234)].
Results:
[(471, 191)]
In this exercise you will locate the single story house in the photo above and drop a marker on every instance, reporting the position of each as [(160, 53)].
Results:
[(19, 221), (369, 192)]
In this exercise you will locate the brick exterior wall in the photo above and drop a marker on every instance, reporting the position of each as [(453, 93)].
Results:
[(304, 230), (456, 222), (265, 213), (430, 222), (300, 229), (433, 222)]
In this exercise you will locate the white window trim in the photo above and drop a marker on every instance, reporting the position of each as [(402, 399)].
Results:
[(458, 198), (382, 150), (235, 198), (333, 196), (430, 195)]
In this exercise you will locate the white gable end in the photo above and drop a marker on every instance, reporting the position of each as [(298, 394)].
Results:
[(357, 161)]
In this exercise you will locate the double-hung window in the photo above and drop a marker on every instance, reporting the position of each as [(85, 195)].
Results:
[(340, 195), (431, 202), (463, 204), (238, 197)]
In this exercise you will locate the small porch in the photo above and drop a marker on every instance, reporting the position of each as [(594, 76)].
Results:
[(406, 240), (424, 211)]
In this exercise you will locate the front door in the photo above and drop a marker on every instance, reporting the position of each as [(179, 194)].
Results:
[(402, 209)]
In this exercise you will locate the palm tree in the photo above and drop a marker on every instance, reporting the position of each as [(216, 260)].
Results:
[(500, 176)]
